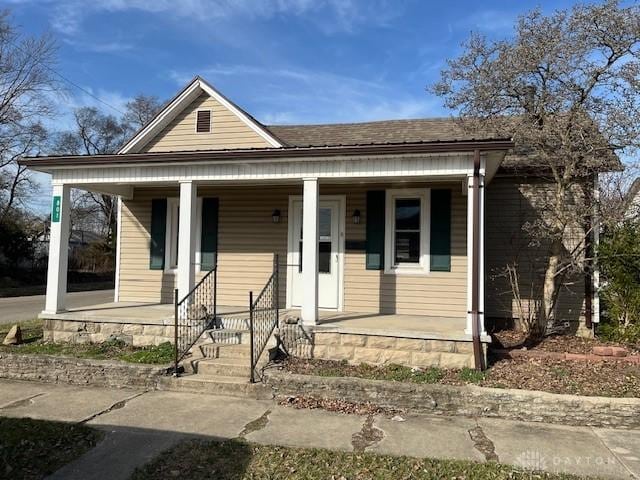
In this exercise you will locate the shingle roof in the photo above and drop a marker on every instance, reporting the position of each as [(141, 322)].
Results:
[(425, 130), (380, 132)]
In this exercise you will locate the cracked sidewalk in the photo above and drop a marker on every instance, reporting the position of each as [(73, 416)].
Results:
[(139, 425)]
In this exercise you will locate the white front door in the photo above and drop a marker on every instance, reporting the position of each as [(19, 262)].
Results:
[(329, 253)]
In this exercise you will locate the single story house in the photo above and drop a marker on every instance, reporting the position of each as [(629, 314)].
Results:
[(388, 235)]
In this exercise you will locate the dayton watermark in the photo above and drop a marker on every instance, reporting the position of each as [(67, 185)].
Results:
[(534, 460)]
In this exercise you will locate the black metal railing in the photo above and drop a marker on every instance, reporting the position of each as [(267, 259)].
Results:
[(194, 314), (263, 317)]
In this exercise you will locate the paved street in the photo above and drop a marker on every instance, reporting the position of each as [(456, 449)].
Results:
[(139, 425), (14, 309)]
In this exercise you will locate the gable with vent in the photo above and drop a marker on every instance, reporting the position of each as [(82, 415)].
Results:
[(200, 118)]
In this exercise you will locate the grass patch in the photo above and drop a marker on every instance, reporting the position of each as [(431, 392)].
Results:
[(395, 373), (109, 350), (31, 330), (469, 375), (32, 449), (240, 460)]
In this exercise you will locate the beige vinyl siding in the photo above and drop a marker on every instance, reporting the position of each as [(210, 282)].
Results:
[(227, 130), (247, 239), (137, 281), (440, 294), (511, 203)]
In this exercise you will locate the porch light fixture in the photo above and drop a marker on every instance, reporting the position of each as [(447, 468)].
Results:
[(276, 216), (356, 216)]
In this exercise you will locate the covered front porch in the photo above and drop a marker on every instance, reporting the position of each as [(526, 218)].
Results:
[(416, 340)]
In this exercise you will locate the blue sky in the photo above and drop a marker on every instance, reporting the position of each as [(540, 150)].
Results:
[(284, 61)]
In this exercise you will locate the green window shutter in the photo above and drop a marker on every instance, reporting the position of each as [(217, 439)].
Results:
[(209, 238), (158, 233), (440, 241), (375, 230)]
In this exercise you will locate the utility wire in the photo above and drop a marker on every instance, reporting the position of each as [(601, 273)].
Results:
[(70, 82)]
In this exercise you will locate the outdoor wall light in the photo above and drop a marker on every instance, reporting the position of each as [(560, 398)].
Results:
[(356, 216), (276, 216)]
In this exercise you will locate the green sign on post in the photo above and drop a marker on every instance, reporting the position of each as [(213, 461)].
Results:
[(55, 210)]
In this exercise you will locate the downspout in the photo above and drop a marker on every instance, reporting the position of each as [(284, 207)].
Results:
[(478, 353)]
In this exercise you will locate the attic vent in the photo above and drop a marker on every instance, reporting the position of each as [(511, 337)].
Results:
[(203, 121)]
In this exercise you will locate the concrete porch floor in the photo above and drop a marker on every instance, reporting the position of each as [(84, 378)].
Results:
[(394, 325)]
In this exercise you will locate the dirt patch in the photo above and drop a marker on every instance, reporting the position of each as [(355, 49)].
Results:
[(368, 436), (339, 406), (483, 444)]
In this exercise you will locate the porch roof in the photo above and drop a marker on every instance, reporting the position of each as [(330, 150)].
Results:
[(287, 152)]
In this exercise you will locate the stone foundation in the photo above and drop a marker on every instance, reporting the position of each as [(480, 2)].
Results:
[(357, 348), (82, 331)]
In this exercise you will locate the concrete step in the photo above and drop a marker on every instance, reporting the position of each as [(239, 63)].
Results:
[(217, 350), (233, 322), (228, 386), (223, 367), (228, 335)]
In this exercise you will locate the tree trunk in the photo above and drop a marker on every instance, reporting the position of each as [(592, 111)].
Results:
[(550, 287)]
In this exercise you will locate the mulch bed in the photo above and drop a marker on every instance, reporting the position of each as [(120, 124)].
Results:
[(510, 339), (608, 379)]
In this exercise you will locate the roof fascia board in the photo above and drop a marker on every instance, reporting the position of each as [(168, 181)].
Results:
[(189, 94), (249, 122)]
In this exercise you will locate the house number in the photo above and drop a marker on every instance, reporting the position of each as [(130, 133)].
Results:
[(55, 211)]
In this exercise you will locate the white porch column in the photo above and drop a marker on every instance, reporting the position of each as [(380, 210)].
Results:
[(471, 254), (187, 238), (58, 249), (310, 203)]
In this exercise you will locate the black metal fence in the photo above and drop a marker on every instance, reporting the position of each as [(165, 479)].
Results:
[(263, 317), (194, 314)]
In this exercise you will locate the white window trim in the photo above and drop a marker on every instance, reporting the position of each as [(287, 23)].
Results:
[(195, 126), (423, 267), (172, 203)]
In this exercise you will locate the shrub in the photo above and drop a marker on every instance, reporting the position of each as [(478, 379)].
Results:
[(619, 257)]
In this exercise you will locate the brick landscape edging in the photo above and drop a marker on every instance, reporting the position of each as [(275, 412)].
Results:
[(469, 400), (79, 371), (586, 357)]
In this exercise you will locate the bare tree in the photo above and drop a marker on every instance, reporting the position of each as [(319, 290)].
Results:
[(26, 87), (140, 111), (97, 133), (565, 87)]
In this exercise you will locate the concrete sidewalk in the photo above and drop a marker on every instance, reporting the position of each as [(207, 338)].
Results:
[(139, 425)]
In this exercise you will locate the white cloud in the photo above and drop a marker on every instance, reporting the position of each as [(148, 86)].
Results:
[(294, 95), (488, 21), (329, 16)]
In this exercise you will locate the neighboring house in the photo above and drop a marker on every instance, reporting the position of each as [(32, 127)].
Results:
[(632, 201), (79, 240), (409, 218)]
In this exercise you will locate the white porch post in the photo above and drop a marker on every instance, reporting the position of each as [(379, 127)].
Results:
[(58, 249), (116, 290), (310, 203), (187, 238), (471, 254)]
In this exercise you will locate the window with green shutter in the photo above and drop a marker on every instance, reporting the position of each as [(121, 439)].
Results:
[(209, 236), (375, 230), (440, 242), (158, 233)]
